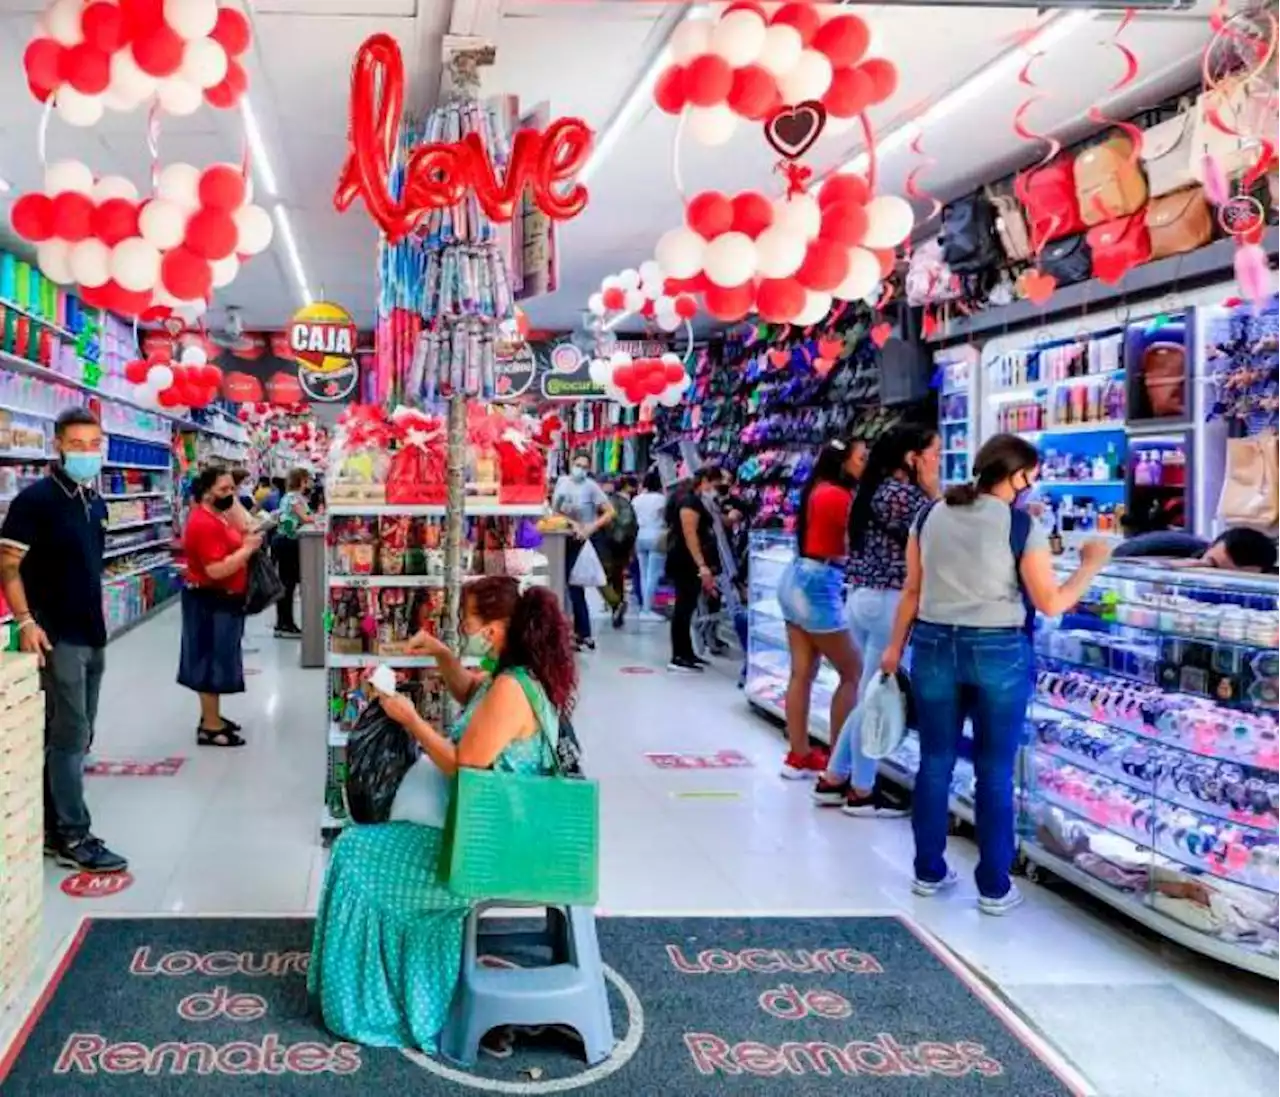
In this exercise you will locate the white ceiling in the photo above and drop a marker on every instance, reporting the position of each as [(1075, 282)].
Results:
[(583, 57)]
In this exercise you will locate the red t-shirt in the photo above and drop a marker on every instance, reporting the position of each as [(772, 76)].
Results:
[(826, 533), (208, 539)]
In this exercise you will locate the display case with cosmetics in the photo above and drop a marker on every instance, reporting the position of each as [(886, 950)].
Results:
[(957, 368), (1152, 781)]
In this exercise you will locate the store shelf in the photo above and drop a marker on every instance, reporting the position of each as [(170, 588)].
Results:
[(140, 523), (130, 465), (136, 571), (143, 618), (33, 455), (114, 498), (1081, 484), (336, 661), (474, 508), (43, 321), (124, 551), (1114, 427), (386, 580)]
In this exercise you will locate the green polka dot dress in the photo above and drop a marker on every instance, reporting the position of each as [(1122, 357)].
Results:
[(388, 938)]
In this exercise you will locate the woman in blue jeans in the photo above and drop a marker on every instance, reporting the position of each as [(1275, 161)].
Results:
[(971, 562), (903, 473)]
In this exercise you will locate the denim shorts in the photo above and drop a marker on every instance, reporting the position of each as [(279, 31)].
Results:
[(811, 594)]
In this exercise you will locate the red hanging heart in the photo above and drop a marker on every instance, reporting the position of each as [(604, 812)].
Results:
[(823, 366), (830, 347), (1038, 286), (793, 130), (880, 334), (779, 356)]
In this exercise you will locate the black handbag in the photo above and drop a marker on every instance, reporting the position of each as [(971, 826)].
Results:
[(379, 754), (265, 587), (1069, 260), (969, 240)]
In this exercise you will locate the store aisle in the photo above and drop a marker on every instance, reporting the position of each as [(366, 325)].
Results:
[(236, 831)]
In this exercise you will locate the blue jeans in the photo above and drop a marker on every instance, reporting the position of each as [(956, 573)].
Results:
[(985, 674), (652, 564), (870, 614)]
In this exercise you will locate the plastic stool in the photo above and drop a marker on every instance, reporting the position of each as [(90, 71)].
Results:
[(571, 991)]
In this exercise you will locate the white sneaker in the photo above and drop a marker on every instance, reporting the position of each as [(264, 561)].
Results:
[(933, 887), (997, 907), (648, 616)]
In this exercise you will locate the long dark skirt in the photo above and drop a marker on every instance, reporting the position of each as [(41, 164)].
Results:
[(212, 631)]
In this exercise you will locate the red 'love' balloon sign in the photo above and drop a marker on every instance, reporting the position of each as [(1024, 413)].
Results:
[(438, 175)]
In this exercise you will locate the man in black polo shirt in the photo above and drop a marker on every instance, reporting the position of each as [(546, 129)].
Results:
[(51, 565)]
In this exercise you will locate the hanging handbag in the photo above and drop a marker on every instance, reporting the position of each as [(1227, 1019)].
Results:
[(968, 235), (264, 587), (928, 278), (1109, 182), (1168, 152), (1011, 224), (1164, 376), (1249, 487), (1067, 260), (1050, 197), (1179, 222), (1118, 246)]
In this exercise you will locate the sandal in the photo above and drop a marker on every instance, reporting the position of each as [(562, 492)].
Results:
[(224, 736)]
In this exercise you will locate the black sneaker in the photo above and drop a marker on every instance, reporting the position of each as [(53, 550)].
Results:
[(288, 633), (830, 794), (885, 802), (686, 666), (90, 855), (619, 615), (701, 661)]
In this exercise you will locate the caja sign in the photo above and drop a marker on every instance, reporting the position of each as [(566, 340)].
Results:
[(322, 339)]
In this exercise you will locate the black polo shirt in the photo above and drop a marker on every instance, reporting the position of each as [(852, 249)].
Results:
[(63, 527)]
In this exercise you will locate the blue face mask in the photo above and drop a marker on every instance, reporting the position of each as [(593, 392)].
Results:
[(578, 473), (83, 468)]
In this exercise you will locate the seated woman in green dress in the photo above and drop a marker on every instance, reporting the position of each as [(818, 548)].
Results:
[(388, 937)]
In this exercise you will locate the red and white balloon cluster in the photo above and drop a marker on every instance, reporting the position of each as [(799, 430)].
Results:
[(645, 293), (137, 257), (747, 63), (635, 381), (788, 259), (117, 54), (191, 382)]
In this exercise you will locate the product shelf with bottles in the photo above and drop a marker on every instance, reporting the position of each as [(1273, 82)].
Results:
[(1152, 779), (957, 373)]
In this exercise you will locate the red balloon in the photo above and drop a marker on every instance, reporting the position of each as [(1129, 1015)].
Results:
[(210, 376), (136, 371), (102, 25), (115, 220), (32, 217), (674, 372), (233, 86), (86, 69), (746, 5), (231, 31), (886, 259), (752, 213), (126, 302), (168, 398), (624, 375), (801, 16), (647, 308), (669, 92), (843, 39), (614, 298), (849, 93), (779, 300), (159, 51), (185, 274), (42, 61), (211, 234), (709, 214), (883, 76), (222, 187), (843, 223), (141, 17), (708, 80), (39, 92), (825, 265), (754, 92), (655, 381), (732, 304), (686, 307), (844, 188), (72, 216)]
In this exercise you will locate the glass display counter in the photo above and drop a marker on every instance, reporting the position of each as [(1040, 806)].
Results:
[(1152, 779)]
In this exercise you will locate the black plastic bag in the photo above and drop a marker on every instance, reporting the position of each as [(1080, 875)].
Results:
[(379, 754), (265, 588), (569, 750)]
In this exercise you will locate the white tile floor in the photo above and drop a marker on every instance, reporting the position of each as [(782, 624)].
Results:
[(236, 831)]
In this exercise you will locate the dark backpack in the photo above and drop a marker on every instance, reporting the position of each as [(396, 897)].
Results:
[(624, 527), (969, 242)]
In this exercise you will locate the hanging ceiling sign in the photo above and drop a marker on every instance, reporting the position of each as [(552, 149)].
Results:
[(566, 374), (322, 339), (515, 367)]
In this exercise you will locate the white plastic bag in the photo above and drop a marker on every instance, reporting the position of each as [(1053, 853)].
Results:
[(884, 717), (587, 569)]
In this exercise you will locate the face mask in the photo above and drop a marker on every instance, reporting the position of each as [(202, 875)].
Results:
[(579, 474), (83, 468), (477, 645), (1024, 495), (225, 503)]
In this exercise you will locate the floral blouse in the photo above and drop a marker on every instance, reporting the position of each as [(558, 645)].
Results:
[(880, 562)]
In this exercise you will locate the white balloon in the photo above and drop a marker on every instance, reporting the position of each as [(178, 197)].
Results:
[(191, 19), (599, 372), (62, 21), (864, 273), (711, 126), (671, 397), (629, 279), (53, 258), (808, 79), (120, 102), (731, 259), (114, 186), (194, 355), (816, 306), (664, 304), (128, 81), (779, 252), (162, 223), (670, 359), (691, 38), (77, 109), (135, 264), (68, 175), (254, 226), (781, 50), (191, 311), (619, 358), (799, 215), (595, 304), (633, 300), (159, 378), (180, 184), (739, 37), (179, 96), (225, 271), (668, 321), (650, 273), (889, 221), (204, 63), (612, 282), (90, 262), (680, 252)]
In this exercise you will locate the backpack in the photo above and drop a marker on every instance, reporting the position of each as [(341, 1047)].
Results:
[(1109, 181), (625, 526), (968, 235), (1011, 224)]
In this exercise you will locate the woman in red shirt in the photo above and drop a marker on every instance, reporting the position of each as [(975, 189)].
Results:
[(218, 552), (811, 596)]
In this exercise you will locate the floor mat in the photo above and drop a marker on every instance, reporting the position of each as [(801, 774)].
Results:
[(796, 1006)]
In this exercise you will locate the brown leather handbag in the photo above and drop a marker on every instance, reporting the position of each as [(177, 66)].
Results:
[(1011, 224), (1164, 375), (1179, 222), (1109, 181)]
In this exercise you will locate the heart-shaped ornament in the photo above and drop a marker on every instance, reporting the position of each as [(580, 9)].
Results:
[(1038, 287), (779, 356), (829, 347), (793, 130), (823, 366), (880, 334), (929, 325)]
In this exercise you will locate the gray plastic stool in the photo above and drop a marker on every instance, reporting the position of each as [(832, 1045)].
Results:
[(570, 991)]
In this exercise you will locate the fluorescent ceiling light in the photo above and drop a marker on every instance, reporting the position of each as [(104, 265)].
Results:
[(258, 149), (291, 252), (5, 186)]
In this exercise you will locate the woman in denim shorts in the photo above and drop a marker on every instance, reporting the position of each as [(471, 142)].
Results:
[(811, 596)]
